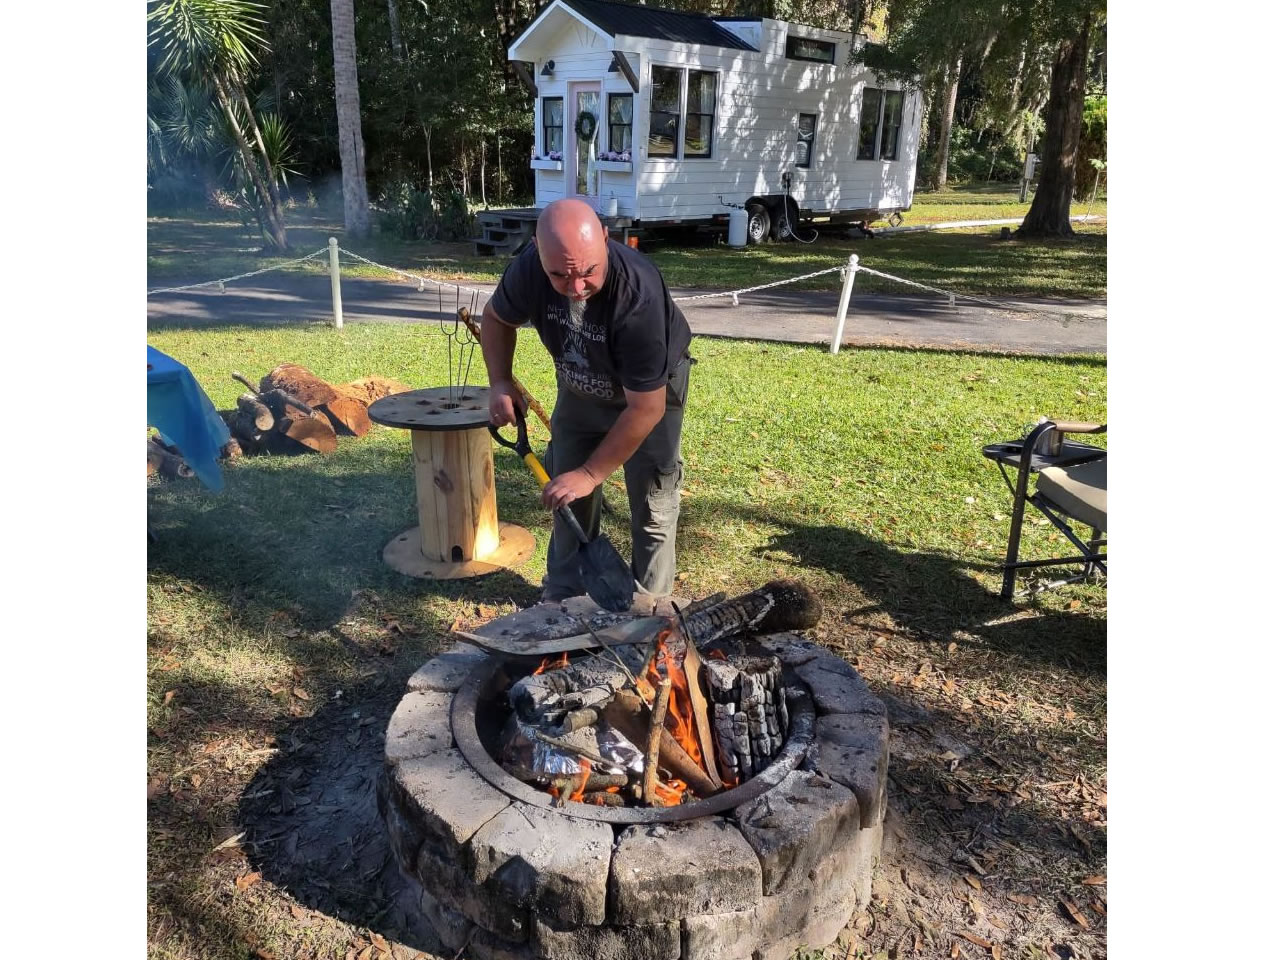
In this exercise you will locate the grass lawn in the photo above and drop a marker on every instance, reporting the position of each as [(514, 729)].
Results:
[(275, 631), (202, 246)]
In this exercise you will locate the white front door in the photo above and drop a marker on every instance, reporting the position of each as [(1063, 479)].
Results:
[(581, 177)]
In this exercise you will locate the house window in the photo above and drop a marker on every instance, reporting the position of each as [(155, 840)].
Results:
[(869, 122), (620, 107), (552, 124), (664, 111), (682, 112), (808, 126), (880, 124), (802, 48), (700, 113), (891, 125)]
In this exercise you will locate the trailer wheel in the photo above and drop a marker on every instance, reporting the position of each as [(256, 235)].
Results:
[(785, 222), (758, 224)]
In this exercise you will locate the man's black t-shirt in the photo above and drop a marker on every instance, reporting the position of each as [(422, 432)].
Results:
[(632, 335)]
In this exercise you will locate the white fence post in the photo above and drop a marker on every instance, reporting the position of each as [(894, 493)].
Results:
[(335, 282), (846, 291)]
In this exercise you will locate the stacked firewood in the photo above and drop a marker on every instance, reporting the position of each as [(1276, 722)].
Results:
[(290, 410)]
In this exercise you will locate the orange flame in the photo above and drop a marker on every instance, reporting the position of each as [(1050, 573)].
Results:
[(584, 771), (669, 794), (679, 721), (553, 664)]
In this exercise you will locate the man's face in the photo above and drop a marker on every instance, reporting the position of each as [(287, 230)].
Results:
[(575, 265)]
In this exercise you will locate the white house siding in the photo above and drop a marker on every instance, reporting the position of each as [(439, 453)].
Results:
[(582, 55), (760, 96)]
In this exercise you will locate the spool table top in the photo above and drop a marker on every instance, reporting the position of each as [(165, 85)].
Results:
[(435, 408)]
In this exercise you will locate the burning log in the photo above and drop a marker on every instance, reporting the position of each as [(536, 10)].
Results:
[(628, 714), (603, 798), (657, 717), (749, 714), (701, 713)]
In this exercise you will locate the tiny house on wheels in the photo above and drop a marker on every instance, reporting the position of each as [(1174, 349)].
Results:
[(661, 119)]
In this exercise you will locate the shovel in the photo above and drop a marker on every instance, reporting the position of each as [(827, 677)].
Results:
[(605, 574)]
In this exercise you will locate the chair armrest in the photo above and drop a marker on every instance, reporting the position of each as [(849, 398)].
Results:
[(1067, 426)]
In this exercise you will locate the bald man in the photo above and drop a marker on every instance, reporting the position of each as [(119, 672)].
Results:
[(621, 353)]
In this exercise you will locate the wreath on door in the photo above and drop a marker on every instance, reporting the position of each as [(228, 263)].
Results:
[(585, 126)]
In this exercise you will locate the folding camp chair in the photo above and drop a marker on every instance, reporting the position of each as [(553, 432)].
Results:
[(1071, 485)]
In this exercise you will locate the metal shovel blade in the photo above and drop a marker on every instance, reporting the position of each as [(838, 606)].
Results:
[(606, 575)]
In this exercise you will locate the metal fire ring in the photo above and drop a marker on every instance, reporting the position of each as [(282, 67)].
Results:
[(481, 682)]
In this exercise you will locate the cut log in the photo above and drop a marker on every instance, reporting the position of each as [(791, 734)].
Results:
[(299, 382), (296, 420), (656, 718), (164, 463), (348, 416), (314, 433), (368, 389), (254, 409), (283, 404)]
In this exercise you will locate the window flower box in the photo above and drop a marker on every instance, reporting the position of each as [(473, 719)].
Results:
[(616, 166), (537, 164)]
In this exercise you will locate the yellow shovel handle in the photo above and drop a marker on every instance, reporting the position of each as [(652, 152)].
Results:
[(531, 461)]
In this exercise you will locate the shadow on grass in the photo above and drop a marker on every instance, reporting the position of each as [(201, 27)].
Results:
[(308, 532), (930, 593)]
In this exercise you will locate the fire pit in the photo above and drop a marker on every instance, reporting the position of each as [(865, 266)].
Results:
[(750, 870)]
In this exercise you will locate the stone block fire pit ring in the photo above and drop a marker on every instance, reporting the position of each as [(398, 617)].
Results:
[(512, 877)]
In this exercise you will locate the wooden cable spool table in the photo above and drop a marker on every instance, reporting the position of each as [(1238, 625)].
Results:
[(458, 533)]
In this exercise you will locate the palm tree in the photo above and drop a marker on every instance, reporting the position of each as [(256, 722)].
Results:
[(346, 95), (213, 42)]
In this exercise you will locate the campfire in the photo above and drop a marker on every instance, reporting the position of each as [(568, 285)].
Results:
[(651, 785), (659, 721)]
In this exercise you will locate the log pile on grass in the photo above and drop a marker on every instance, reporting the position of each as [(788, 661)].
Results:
[(289, 411)]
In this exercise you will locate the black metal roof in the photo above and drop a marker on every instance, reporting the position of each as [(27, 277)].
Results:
[(634, 20)]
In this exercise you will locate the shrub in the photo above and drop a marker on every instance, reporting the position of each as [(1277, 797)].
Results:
[(413, 214), (1093, 144)]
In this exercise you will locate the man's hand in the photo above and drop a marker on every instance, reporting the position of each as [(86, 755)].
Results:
[(504, 401), (568, 487)]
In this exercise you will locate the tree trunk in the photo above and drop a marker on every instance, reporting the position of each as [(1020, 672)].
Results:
[(1050, 213), (393, 17), (346, 95), (270, 177), (948, 108), (484, 199), (275, 229)]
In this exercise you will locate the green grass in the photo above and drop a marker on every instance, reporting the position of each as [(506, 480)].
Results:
[(859, 474), (202, 246)]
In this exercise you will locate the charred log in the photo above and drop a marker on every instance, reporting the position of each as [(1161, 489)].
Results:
[(778, 606)]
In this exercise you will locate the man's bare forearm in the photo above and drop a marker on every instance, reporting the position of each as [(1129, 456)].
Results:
[(627, 433), (498, 344)]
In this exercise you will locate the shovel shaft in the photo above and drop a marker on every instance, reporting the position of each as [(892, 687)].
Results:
[(535, 467)]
